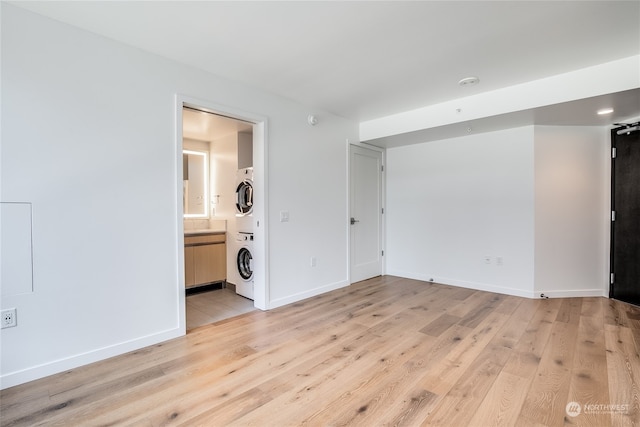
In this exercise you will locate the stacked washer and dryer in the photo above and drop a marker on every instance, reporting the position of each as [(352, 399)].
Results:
[(242, 275)]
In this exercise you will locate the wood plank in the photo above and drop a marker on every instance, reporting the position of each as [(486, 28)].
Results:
[(547, 397), (477, 300), (570, 310), (514, 328), (315, 393), (525, 360), (502, 403), (364, 393), (623, 365), (614, 313), (441, 376), (212, 386), (589, 381), (592, 307), (460, 403), (411, 408), (439, 325), (386, 351), (476, 315)]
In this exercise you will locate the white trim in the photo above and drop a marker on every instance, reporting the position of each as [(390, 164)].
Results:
[(557, 293), (181, 321), (289, 299), (348, 208), (573, 293), (606, 213), (259, 215), (478, 286), (607, 206), (40, 371), (369, 146)]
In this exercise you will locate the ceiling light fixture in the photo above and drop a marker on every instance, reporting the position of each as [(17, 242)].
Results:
[(469, 81), (312, 120), (605, 111)]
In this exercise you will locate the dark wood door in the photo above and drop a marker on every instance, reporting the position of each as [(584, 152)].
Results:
[(625, 227)]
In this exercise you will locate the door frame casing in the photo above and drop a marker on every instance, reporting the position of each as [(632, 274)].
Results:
[(383, 192), (260, 219), (610, 209)]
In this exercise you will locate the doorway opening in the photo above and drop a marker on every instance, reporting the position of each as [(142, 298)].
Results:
[(221, 171)]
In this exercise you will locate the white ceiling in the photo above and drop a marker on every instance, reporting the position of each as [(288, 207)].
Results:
[(205, 126), (367, 59)]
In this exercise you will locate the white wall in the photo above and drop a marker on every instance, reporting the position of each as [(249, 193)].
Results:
[(537, 197), (224, 169), (313, 182), (88, 138), (571, 214), (450, 203)]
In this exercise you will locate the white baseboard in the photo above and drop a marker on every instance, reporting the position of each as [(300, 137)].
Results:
[(279, 302), (40, 371), (573, 293), (518, 292), (467, 284)]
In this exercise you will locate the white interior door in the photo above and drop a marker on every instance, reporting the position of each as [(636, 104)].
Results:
[(366, 213)]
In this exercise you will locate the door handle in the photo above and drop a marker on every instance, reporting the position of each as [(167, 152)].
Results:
[(353, 220)]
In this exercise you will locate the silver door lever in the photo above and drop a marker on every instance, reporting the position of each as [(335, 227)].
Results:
[(353, 220)]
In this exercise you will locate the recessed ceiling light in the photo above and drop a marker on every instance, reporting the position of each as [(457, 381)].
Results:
[(605, 111), (469, 81)]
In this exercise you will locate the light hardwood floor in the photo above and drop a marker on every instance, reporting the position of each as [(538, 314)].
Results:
[(386, 351)]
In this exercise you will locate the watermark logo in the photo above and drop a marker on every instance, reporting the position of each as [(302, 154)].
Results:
[(573, 409)]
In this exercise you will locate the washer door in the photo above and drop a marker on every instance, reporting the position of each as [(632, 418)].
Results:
[(244, 197), (244, 262)]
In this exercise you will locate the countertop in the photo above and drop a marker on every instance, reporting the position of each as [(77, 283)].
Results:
[(203, 231)]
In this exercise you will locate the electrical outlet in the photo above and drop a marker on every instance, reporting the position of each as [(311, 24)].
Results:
[(313, 261), (8, 318)]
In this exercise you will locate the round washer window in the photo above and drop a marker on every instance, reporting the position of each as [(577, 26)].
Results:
[(244, 263)]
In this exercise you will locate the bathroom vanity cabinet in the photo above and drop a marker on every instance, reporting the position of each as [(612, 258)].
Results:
[(205, 258)]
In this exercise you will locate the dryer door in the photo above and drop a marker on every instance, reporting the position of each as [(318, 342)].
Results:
[(244, 197)]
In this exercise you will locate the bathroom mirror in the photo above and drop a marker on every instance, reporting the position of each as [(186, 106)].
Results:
[(195, 175)]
